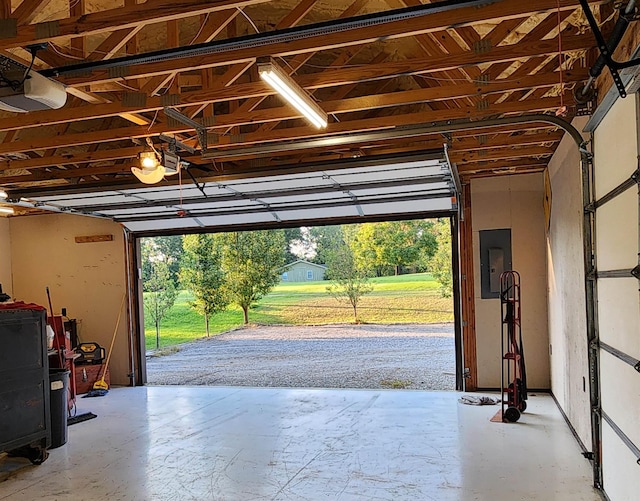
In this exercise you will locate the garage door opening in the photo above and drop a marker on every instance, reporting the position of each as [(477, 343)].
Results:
[(351, 306)]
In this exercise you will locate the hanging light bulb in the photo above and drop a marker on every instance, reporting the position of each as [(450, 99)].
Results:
[(151, 171), (148, 160)]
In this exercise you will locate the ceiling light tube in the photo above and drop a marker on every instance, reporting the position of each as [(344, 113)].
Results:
[(6, 210), (295, 95), (3, 194)]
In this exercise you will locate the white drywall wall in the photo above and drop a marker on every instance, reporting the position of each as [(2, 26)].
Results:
[(86, 278), (567, 305), (514, 202)]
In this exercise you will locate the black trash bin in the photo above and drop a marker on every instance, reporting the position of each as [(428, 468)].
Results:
[(59, 386)]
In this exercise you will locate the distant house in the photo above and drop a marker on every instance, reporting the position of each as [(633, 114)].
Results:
[(303, 271)]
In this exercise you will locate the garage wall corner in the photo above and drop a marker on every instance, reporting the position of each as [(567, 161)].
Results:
[(566, 282), (88, 279), (515, 203)]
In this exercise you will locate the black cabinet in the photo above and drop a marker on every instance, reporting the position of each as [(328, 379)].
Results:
[(24, 384)]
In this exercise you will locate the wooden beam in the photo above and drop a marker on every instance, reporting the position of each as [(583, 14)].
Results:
[(457, 145), (93, 238), (368, 34), (113, 43), (501, 165), (129, 16), (324, 79), (28, 10), (467, 271), (351, 105), (215, 23), (281, 134), (72, 159), (61, 175), (466, 157), (5, 9)]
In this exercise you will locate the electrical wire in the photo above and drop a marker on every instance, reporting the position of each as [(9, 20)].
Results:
[(16, 84), (204, 21), (155, 117), (246, 16), (55, 49)]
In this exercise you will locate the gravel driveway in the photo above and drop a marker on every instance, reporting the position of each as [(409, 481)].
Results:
[(416, 356)]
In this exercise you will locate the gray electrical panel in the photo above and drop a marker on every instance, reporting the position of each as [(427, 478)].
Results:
[(495, 257)]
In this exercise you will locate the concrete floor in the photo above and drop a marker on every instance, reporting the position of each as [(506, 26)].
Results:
[(186, 443)]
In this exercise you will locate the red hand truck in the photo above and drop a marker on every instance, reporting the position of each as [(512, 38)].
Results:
[(514, 376)]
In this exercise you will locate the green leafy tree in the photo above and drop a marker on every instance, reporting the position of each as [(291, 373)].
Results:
[(202, 275), (325, 239), (349, 280), (160, 294), (394, 245), (251, 262), (293, 237), (440, 263), (169, 249)]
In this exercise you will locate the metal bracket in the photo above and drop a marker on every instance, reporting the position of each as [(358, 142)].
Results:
[(201, 131), (607, 48)]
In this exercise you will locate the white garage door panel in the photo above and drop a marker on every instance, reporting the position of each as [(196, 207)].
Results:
[(620, 471), (615, 146), (617, 232), (231, 219), (411, 185), (619, 314), (165, 224), (620, 386)]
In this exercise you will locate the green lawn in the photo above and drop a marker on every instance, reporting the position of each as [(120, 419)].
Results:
[(403, 299)]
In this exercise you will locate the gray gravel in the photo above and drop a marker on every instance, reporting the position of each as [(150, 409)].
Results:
[(415, 356)]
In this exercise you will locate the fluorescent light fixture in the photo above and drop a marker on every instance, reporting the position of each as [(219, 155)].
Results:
[(3, 194), (6, 210), (295, 95)]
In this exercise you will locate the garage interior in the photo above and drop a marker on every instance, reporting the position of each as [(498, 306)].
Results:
[(503, 115)]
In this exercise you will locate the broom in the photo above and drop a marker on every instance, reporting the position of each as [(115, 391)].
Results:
[(100, 387)]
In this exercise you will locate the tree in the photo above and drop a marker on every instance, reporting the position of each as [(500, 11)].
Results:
[(324, 239), (349, 280), (293, 238), (303, 247), (393, 245), (440, 263), (168, 249), (251, 262), (160, 294), (202, 275)]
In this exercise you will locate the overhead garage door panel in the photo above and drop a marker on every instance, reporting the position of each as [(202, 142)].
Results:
[(618, 401), (617, 232), (615, 147), (167, 224), (619, 314), (417, 185), (615, 452)]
